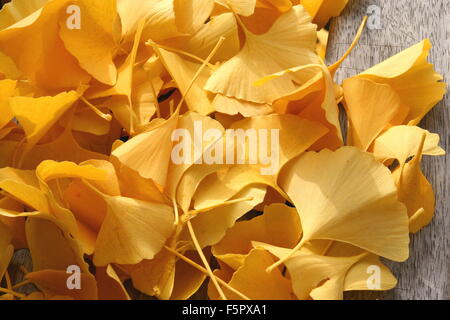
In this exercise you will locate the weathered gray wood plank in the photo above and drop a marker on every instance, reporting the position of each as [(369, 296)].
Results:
[(405, 22)]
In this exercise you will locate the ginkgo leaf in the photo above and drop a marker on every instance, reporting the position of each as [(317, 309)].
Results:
[(93, 44), (192, 146), (38, 51), (211, 226), (323, 10), (401, 142), (315, 100), (280, 5), (187, 280), (279, 226), (88, 121), (51, 170), (322, 43), (132, 185), (16, 225), (6, 249), (413, 78), (154, 277), (339, 194), (266, 148), (109, 285), (357, 276), (242, 7), (232, 106), (17, 10), (89, 210), (149, 153), (7, 88), (36, 124), (266, 54), (23, 185), (202, 42), (182, 72), (190, 15), (414, 190), (366, 99), (158, 14), (52, 247), (320, 277), (253, 281), (8, 68), (64, 148), (54, 283), (132, 231)]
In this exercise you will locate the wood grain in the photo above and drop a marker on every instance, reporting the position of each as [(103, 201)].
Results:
[(404, 23)]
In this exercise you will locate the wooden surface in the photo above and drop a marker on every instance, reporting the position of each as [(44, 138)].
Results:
[(404, 23)]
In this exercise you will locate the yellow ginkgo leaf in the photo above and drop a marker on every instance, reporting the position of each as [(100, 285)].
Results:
[(109, 285), (192, 145), (187, 279), (154, 277), (38, 51), (8, 68), (124, 84), (149, 153), (132, 231), (87, 230), (366, 99), (6, 249), (17, 10), (202, 43), (279, 226), (358, 276), (51, 170), (7, 88), (401, 142), (413, 78), (94, 43), (322, 43), (54, 283), (280, 5), (132, 185), (316, 276), (254, 282), (211, 225), (64, 148), (37, 115), (232, 106), (182, 72), (268, 145), (88, 121), (415, 191), (266, 54), (315, 100), (339, 194), (323, 10), (89, 210), (23, 185), (190, 15), (52, 247), (242, 7), (16, 225), (158, 14)]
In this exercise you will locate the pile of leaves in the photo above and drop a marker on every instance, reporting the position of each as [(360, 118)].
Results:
[(91, 92)]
